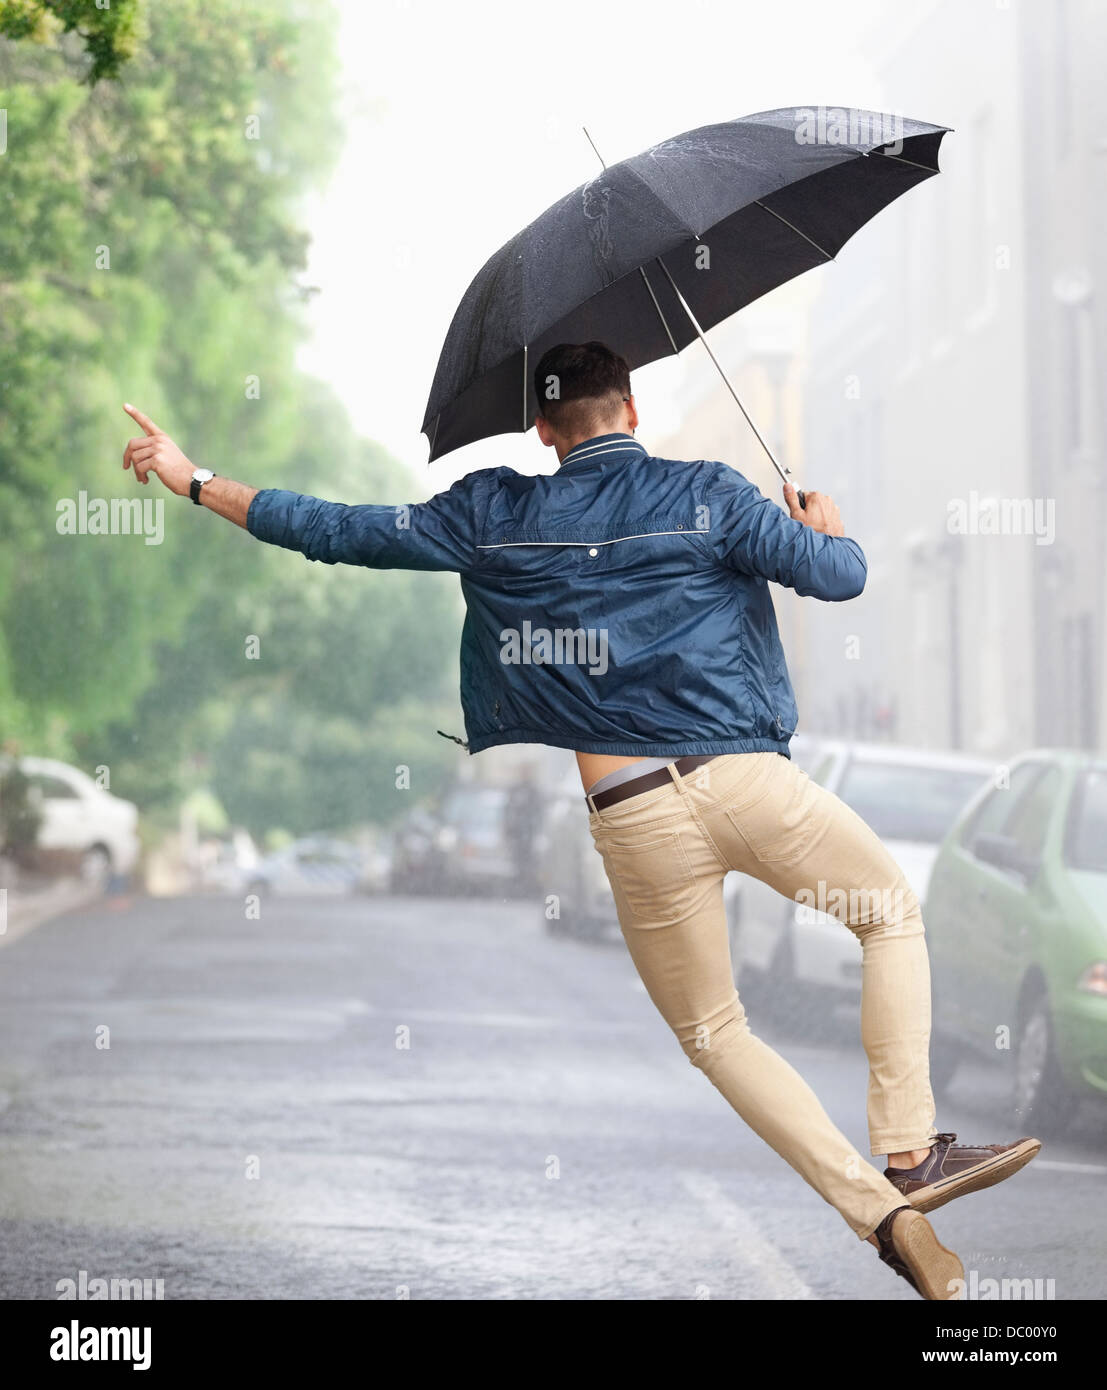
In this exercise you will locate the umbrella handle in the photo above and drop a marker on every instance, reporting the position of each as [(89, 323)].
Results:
[(801, 498)]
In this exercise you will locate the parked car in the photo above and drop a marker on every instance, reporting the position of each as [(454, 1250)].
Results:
[(471, 843), (314, 865), (79, 818), (416, 862), (799, 962), (226, 863), (1017, 923), (459, 846), (376, 851), (573, 886)]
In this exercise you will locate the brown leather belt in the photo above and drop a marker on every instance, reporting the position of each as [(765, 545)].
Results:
[(647, 781)]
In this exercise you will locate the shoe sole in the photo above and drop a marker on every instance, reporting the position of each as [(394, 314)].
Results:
[(938, 1272), (1004, 1165)]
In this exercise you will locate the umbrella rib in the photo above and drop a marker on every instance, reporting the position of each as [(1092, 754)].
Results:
[(660, 315), (900, 160), (795, 229)]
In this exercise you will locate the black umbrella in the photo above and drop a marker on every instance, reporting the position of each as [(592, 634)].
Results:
[(659, 246)]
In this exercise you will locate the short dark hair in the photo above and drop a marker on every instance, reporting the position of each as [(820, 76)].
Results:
[(578, 385)]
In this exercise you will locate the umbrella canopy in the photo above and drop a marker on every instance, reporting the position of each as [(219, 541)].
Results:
[(718, 216)]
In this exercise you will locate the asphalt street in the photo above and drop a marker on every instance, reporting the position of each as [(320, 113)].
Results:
[(376, 1098)]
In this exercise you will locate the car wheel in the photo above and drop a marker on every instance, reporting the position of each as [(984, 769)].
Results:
[(96, 866), (1041, 1099)]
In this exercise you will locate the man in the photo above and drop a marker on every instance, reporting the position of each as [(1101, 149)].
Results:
[(620, 607)]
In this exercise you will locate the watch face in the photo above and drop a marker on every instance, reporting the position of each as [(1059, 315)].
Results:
[(203, 475)]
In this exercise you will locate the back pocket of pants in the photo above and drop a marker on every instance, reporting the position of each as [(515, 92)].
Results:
[(654, 876), (779, 824)]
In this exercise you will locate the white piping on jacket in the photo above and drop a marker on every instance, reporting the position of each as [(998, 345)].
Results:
[(643, 535), (596, 449)]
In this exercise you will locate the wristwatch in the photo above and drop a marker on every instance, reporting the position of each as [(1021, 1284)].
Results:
[(199, 478)]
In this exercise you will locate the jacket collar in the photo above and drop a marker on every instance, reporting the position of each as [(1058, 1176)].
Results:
[(603, 448)]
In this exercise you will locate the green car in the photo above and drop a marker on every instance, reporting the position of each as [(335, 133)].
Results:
[(1016, 919)]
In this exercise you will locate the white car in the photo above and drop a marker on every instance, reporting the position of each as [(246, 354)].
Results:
[(316, 865), (801, 962), (575, 894), (223, 864), (80, 817)]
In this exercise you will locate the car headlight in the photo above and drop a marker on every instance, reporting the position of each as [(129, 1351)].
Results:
[(1094, 979)]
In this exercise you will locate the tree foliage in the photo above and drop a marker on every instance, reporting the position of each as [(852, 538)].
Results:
[(150, 250), (107, 34)]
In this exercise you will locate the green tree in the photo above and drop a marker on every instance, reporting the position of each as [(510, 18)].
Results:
[(150, 250), (106, 34)]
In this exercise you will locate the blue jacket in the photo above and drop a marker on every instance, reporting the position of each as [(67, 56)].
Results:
[(618, 605)]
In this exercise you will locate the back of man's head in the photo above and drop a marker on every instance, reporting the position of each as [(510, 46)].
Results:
[(581, 388)]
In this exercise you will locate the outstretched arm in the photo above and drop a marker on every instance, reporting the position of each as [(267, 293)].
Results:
[(433, 535)]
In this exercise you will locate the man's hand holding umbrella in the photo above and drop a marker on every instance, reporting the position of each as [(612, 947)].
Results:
[(820, 512)]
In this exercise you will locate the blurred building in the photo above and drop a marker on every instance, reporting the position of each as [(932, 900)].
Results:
[(945, 393), (915, 397), (1063, 133)]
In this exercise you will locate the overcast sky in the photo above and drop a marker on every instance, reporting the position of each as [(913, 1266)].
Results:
[(464, 122)]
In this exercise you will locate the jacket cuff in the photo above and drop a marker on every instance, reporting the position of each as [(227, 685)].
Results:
[(263, 518)]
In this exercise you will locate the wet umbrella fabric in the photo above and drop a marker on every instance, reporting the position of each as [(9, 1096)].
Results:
[(718, 216)]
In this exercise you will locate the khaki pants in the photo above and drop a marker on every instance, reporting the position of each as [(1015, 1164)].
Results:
[(666, 853)]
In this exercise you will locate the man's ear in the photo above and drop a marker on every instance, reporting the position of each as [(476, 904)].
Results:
[(545, 433), (632, 415)]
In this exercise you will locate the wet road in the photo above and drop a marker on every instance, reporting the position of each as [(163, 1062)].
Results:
[(379, 1098)]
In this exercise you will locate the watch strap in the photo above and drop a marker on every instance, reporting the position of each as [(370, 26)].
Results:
[(196, 484)]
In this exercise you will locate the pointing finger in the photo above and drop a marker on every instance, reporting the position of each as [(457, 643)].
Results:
[(144, 422)]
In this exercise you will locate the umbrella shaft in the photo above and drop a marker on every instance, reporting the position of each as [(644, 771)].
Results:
[(785, 473)]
